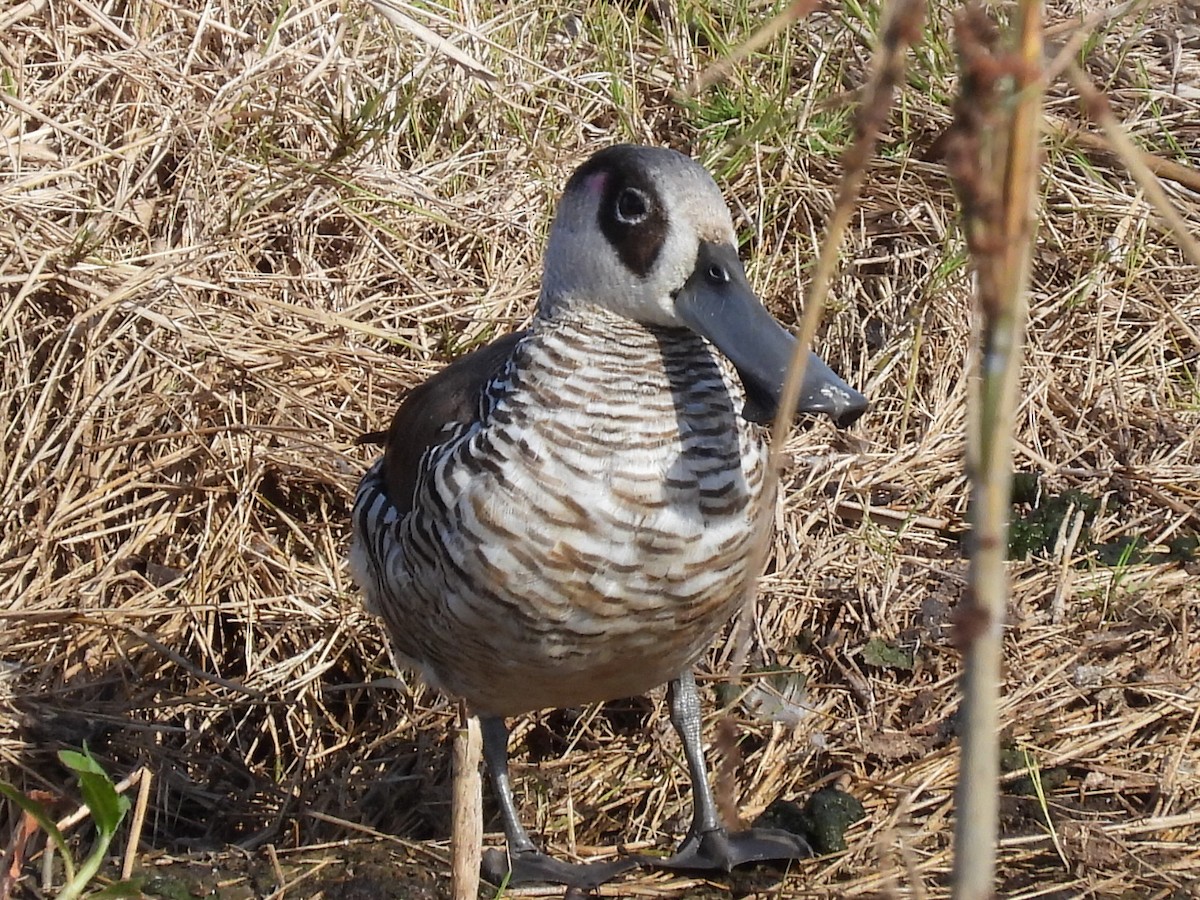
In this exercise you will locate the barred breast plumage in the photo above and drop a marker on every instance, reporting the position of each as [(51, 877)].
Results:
[(565, 515), (586, 538)]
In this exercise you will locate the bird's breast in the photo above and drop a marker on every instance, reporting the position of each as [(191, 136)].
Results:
[(588, 537)]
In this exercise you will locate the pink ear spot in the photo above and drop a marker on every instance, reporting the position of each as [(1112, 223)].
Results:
[(594, 184)]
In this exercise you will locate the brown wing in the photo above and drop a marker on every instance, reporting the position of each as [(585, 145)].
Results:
[(450, 396)]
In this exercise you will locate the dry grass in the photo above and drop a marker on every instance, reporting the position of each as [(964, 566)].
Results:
[(232, 234)]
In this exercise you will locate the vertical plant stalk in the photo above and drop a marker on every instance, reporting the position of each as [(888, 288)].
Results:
[(145, 778), (993, 158), (901, 28), (466, 813)]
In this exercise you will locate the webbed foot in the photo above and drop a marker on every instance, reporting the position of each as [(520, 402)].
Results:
[(535, 867), (720, 850)]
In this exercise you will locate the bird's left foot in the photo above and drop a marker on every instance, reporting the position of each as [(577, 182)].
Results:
[(535, 867), (718, 850)]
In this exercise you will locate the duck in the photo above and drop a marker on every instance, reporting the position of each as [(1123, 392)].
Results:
[(565, 515)]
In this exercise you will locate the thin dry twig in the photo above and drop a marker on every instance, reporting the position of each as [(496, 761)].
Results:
[(1100, 111), (145, 778), (760, 39), (466, 830), (393, 12), (994, 161), (901, 28)]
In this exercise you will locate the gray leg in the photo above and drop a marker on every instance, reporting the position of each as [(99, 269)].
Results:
[(524, 863), (708, 844), (495, 756), (685, 716)]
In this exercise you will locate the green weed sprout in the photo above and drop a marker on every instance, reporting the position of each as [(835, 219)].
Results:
[(108, 809)]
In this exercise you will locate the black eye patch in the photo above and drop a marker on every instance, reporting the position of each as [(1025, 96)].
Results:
[(633, 219), (631, 215)]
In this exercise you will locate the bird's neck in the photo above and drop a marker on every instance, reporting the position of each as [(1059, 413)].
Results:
[(596, 326)]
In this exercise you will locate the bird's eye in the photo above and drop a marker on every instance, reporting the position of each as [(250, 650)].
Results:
[(717, 275), (633, 206)]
